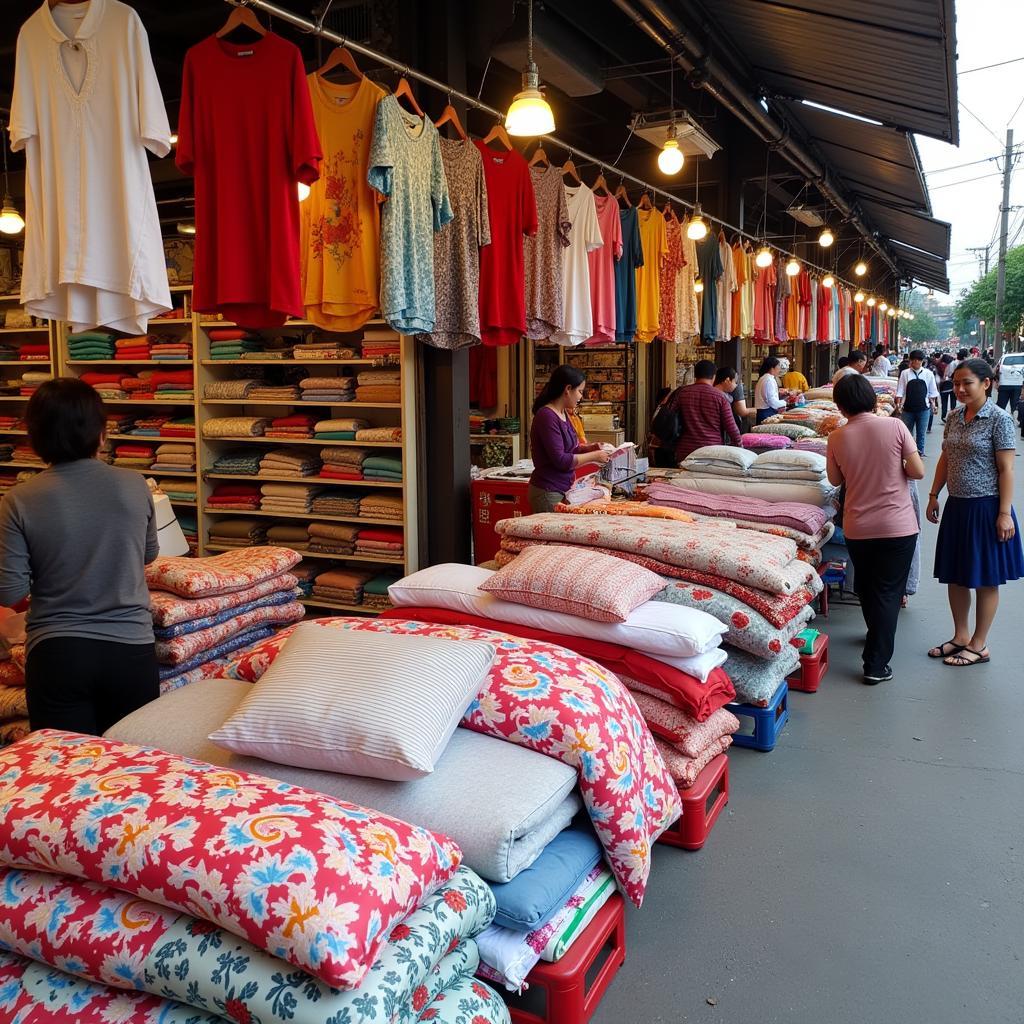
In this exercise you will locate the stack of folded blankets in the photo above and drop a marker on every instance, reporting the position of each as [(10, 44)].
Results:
[(132, 349), (130, 455), (343, 463), (235, 426), (147, 426), (341, 586), (321, 348), (384, 386), (175, 458), (11, 423), (332, 538), (119, 423), (338, 429), (811, 444), (291, 462), (34, 352), (380, 343), (289, 535), (239, 533), (338, 502), (139, 387), (329, 390), (90, 345), (375, 591), (295, 499), (205, 608), (306, 573), (107, 385), (380, 542), (26, 453), (232, 342), (380, 434), (30, 382), (386, 468), (173, 385), (298, 425), (765, 442), (178, 426), (235, 497), (169, 348), (224, 390), (379, 505), (183, 489), (238, 461), (264, 391)]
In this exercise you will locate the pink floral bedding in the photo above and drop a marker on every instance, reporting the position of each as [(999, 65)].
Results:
[(686, 769), (553, 701), (170, 609), (219, 574)]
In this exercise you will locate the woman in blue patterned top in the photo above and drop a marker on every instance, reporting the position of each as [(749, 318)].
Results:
[(978, 546)]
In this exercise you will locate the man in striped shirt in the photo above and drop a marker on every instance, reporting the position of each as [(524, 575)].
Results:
[(705, 413)]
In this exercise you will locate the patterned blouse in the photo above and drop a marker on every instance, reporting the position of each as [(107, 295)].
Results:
[(971, 450)]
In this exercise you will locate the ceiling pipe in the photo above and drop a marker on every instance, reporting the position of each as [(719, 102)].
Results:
[(706, 73)]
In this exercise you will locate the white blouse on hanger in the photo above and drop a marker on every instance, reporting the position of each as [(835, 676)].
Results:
[(584, 237), (86, 107)]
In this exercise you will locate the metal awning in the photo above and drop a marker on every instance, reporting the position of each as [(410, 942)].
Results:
[(920, 232), (892, 62), (922, 266)]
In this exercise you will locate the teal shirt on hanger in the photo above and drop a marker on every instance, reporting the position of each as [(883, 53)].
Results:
[(625, 276)]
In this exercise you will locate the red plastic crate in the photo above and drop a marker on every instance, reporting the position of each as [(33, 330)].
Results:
[(494, 500), (812, 669), (567, 992), (703, 802)]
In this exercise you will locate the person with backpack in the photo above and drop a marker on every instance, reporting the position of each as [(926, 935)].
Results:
[(664, 432), (917, 398)]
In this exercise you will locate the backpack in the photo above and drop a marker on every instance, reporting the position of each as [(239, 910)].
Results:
[(916, 398), (667, 425)]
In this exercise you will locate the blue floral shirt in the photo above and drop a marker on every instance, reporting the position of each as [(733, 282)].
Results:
[(971, 450)]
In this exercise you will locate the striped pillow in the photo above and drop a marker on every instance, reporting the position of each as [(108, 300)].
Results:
[(374, 704)]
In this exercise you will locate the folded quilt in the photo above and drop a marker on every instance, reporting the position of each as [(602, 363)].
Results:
[(684, 769), (297, 458), (670, 723), (334, 531), (379, 393), (273, 600), (241, 527), (756, 679), (235, 426), (218, 574), (806, 518), (207, 670), (625, 508), (229, 389)]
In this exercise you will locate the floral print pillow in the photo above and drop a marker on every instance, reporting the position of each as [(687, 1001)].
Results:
[(219, 574)]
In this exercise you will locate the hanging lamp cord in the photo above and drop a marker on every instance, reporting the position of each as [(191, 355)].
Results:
[(529, 34)]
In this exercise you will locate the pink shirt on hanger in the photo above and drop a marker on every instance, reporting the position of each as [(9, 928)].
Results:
[(602, 270)]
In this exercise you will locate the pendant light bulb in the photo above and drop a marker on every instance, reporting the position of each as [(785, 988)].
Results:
[(828, 281), (792, 267), (861, 269), (764, 257), (890, 312), (11, 222), (671, 159), (826, 238), (883, 306), (304, 191), (529, 113), (698, 286), (697, 228), (871, 300), (859, 297)]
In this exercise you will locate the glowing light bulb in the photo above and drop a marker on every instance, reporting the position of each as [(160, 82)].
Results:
[(792, 268), (697, 228), (828, 280), (861, 269), (883, 306), (764, 257), (826, 238), (859, 297), (11, 222), (871, 300), (670, 159), (698, 286)]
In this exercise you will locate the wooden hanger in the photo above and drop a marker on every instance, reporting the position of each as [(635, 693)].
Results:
[(340, 56), (239, 17), (601, 185), (570, 168), (622, 195), (451, 116), (404, 91), (645, 202), (498, 132), (539, 157)]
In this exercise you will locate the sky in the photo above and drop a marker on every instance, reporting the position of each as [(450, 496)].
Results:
[(987, 32)]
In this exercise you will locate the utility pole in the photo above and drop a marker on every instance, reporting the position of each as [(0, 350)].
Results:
[(983, 251), (1004, 210)]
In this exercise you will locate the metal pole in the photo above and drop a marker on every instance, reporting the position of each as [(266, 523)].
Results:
[(1001, 269)]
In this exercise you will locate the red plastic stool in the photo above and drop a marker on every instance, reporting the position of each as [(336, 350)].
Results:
[(703, 802), (812, 669), (563, 991)]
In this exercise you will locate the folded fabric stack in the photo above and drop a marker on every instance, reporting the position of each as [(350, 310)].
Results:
[(332, 538), (26, 453), (380, 542), (343, 463), (239, 533), (119, 422), (129, 349), (34, 353), (297, 425), (178, 426), (11, 423), (175, 458), (235, 497), (265, 392), (381, 344), (292, 498), (235, 426), (306, 572), (238, 461), (375, 591), (293, 462), (379, 505), (231, 342), (379, 434), (338, 429), (107, 385), (134, 456), (321, 348), (811, 444), (329, 390), (182, 489), (30, 382), (765, 442), (341, 586), (289, 535), (171, 348), (820, 419), (383, 467), (173, 385), (147, 426), (9, 480), (331, 503), (383, 386), (222, 390), (91, 345)]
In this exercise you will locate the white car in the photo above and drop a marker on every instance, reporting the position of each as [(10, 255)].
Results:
[(1011, 370)]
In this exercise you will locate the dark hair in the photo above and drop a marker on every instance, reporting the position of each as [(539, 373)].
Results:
[(879, 351), (662, 394), (842, 361), (65, 420), (979, 367), (725, 373), (946, 359), (704, 370), (917, 354), (768, 364), (564, 376), (853, 394), (962, 353), (857, 357)]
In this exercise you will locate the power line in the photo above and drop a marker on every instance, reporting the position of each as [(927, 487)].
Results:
[(1014, 114), (982, 123), (971, 163), (966, 181), (986, 67)]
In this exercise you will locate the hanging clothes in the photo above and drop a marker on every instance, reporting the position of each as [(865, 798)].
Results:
[(602, 264), (793, 308), (687, 307), (709, 260), (483, 377), (246, 117), (654, 242), (782, 290), (804, 301), (764, 302), (726, 286), (86, 106), (824, 313), (584, 238), (457, 249), (625, 275), (340, 219), (405, 166), (747, 293), (545, 285), (671, 268), (512, 211), (812, 312), (739, 272)]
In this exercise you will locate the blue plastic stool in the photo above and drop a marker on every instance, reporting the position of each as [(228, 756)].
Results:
[(760, 727)]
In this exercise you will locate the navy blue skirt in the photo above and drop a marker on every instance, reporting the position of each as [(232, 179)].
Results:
[(967, 551)]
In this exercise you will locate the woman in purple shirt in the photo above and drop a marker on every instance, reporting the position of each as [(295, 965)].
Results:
[(554, 446)]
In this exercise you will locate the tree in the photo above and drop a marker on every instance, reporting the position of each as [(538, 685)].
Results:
[(921, 329), (979, 301)]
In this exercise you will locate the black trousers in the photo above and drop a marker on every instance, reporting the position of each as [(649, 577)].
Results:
[(1006, 398), (86, 685), (948, 400), (881, 567)]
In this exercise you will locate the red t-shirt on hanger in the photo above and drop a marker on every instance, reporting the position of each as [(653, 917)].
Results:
[(247, 136), (512, 210)]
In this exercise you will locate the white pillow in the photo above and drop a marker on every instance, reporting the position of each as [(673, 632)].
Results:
[(656, 628), (790, 459), (722, 454), (373, 704), (700, 666)]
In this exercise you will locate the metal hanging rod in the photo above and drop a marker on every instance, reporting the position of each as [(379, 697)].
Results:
[(313, 28)]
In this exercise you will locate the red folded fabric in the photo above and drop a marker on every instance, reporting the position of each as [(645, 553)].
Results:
[(235, 490), (34, 350), (297, 420), (227, 334), (337, 474), (158, 377), (700, 700), (134, 449), (94, 378), (125, 355), (384, 534)]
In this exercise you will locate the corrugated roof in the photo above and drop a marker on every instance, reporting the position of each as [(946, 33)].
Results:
[(893, 62), (912, 229), (922, 267)]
